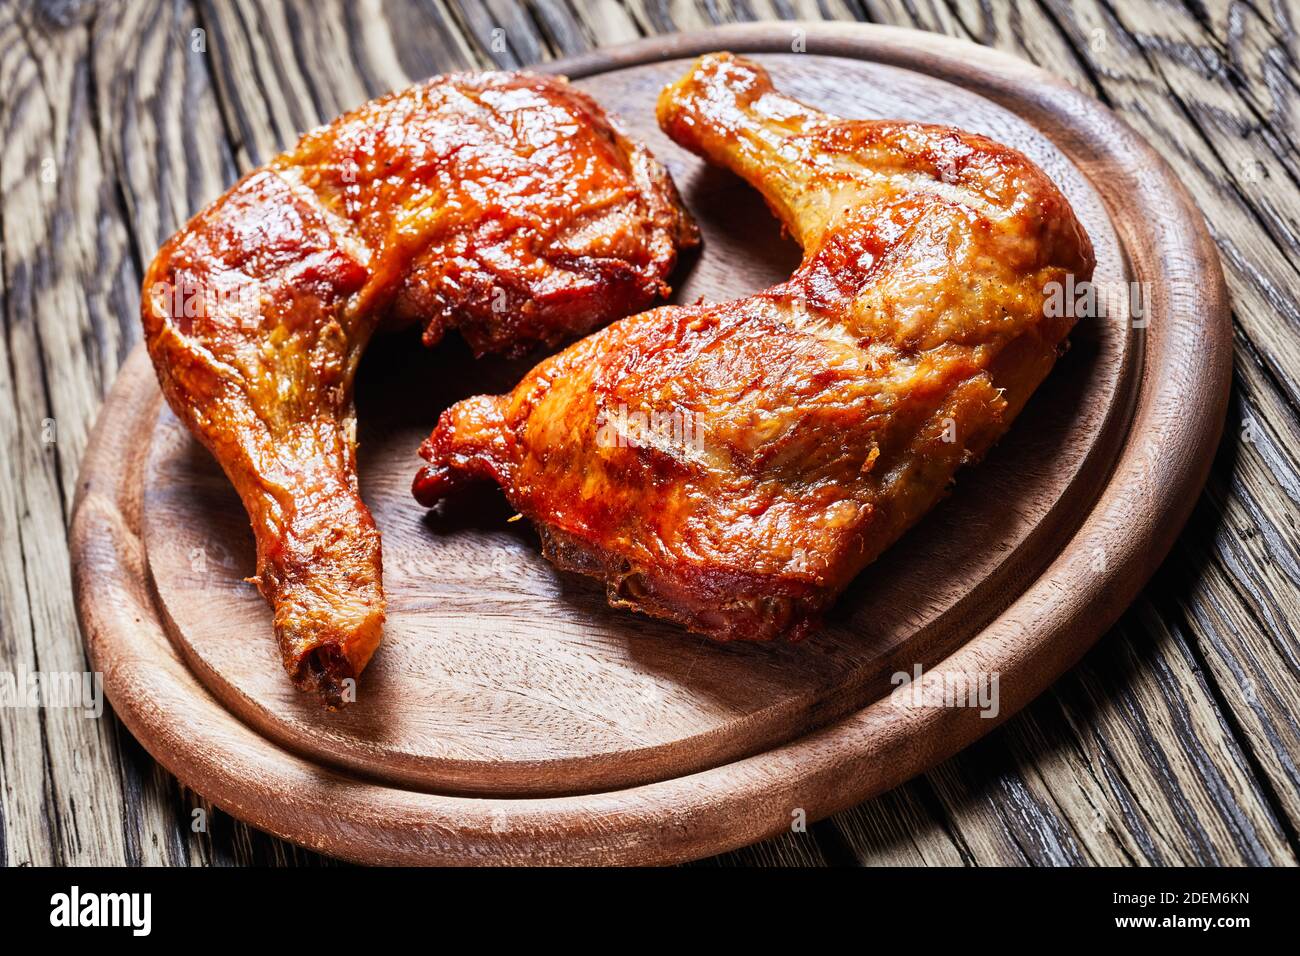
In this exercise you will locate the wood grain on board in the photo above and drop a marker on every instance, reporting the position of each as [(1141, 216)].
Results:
[(1174, 741)]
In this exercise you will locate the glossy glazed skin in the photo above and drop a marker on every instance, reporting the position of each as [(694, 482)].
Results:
[(800, 430), (506, 206)]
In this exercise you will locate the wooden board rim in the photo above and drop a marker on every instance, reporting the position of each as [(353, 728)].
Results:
[(1177, 420)]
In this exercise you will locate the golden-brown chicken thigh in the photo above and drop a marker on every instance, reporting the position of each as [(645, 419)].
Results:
[(733, 466), (507, 206)]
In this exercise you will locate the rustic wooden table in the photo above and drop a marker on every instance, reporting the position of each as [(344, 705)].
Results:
[(1175, 741)]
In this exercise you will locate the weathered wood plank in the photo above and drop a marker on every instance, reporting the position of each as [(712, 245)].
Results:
[(607, 22), (789, 849), (901, 828), (66, 273)]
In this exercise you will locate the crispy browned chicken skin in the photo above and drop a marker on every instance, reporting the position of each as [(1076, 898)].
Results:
[(507, 206), (732, 467)]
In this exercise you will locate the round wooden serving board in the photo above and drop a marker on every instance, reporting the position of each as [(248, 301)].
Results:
[(510, 715)]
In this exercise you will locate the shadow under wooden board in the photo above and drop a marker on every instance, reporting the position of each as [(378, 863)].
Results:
[(510, 715)]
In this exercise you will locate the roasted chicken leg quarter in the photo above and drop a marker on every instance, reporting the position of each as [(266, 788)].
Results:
[(733, 466), (506, 206)]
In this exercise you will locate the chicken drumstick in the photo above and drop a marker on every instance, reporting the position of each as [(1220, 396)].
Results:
[(732, 467), (507, 206)]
